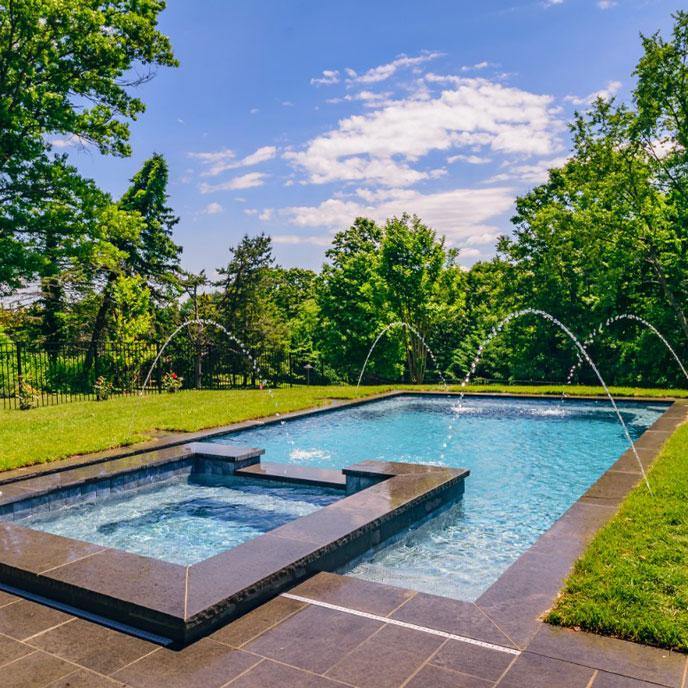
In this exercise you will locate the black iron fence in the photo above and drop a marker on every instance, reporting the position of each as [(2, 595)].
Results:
[(33, 375)]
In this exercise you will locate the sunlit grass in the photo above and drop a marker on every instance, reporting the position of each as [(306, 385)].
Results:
[(632, 581)]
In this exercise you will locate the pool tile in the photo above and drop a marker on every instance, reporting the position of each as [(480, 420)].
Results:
[(216, 579), (82, 678), (314, 638), (524, 592), (353, 593), (83, 643), (11, 649), (35, 551), (258, 621), (534, 671), (7, 598), (205, 664), (434, 677), (325, 477), (612, 487), (473, 660), (451, 616), (143, 581), (23, 619), (386, 659), (36, 670), (605, 680), (611, 655), (269, 674)]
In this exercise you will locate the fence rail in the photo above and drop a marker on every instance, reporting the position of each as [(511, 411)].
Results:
[(54, 374)]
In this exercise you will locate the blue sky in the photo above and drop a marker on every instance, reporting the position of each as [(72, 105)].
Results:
[(293, 116)]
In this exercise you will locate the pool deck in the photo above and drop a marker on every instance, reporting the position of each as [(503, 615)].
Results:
[(336, 630)]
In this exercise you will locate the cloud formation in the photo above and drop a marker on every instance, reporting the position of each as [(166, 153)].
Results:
[(216, 162), (458, 213), (385, 146), (609, 91), (244, 181)]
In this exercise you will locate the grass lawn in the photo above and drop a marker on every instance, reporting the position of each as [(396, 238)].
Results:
[(632, 581), (54, 432)]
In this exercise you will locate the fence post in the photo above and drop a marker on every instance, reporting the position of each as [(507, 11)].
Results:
[(158, 372), (20, 373)]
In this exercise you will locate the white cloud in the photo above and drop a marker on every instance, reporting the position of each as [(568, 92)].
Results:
[(213, 209), (470, 159), (216, 162), (297, 239), (476, 67), (266, 215), (458, 214), (245, 181), (383, 146), (254, 111), (385, 71), (606, 4), (551, 3), (329, 77), (369, 98), (535, 173), (482, 238), (609, 91)]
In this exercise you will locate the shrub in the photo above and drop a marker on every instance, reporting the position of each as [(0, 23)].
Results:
[(102, 388), (27, 395), (171, 382)]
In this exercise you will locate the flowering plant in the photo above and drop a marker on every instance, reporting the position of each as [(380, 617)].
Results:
[(27, 395), (102, 388), (171, 382)]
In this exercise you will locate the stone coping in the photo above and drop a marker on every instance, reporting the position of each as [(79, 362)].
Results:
[(184, 603)]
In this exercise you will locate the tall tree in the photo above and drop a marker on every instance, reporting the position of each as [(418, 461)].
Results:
[(412, 263), (352, 305), (65, 70), (151, 254)]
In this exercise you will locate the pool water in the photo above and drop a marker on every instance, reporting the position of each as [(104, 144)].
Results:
[(184, 520), (529, 461)]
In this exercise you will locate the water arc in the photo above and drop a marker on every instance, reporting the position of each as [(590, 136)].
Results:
[(581, 352)]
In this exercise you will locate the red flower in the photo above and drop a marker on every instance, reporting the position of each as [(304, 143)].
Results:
[(174, 376)]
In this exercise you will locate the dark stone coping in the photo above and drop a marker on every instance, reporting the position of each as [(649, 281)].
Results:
[(184, 603), (322, 477)]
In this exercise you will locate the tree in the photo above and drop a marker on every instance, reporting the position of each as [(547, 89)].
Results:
[(351, 303), (150, 253), (413, 261), (66, 69)]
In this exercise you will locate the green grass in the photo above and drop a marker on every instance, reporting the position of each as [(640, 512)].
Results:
[(50, 433), (632, 581)]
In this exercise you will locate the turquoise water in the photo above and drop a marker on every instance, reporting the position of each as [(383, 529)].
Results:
[(184, 520), (529, 461)]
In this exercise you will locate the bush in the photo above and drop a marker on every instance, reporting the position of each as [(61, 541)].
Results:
[(102, 388), (171, 382), (27, 395)]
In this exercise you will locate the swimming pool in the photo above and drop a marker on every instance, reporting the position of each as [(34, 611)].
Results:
[(185, 519), (529, 461)]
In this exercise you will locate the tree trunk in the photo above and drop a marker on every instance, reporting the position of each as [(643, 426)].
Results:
[(669, 293), (52, 296), (100, 323)]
